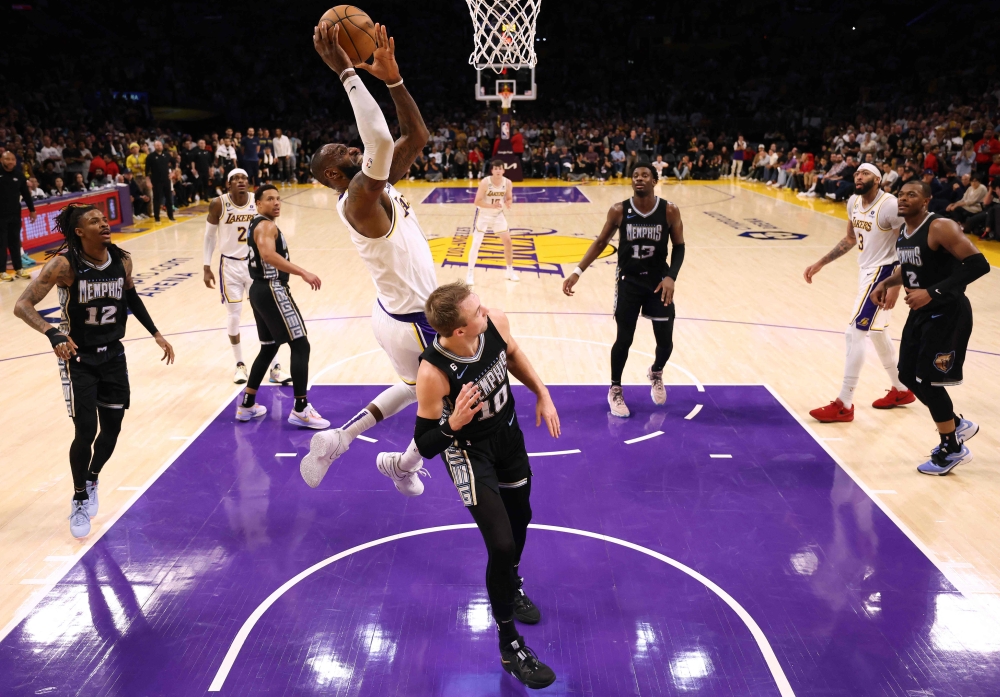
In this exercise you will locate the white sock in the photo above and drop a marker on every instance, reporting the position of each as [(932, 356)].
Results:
[(238, 351), (411, 460), (477, 241), (887, 354), (856, 346), (359, 423)]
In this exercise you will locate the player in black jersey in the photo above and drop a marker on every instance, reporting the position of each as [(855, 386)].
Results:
[(96, 292), (278, 318), (465, 412), (936, 263), (646, 225)]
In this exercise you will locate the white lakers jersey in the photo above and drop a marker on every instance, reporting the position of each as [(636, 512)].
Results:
[(876, 227), (494, 194), (400, 263), (233, 224)]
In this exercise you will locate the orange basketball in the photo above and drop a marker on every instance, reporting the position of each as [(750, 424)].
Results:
[(357, 31)]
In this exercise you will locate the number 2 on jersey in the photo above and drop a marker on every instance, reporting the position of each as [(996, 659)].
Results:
[(243, 233), (912, 278)]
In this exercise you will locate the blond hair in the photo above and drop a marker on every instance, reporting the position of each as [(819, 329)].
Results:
[(442, 307)]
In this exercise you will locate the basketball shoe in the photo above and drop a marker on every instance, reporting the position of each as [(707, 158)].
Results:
[(407, 483), (22, 273), (79, 519), (324, 448), (521, 662), (616, 400), (279, 376), (246, 413), (832, 412), (241, 376), (524, 610), (894, 398), (965, 429), (308, 418), (658, 392), (511, 275), (92, 502), (6, 277), (942, 462)]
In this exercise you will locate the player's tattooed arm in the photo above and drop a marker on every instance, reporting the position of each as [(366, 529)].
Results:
[(56, 272), (611, 226), (842, 248)]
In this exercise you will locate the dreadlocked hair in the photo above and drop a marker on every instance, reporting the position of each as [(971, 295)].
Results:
[(72, 245)]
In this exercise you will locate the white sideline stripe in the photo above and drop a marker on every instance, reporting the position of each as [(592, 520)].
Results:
[(366, 439), (721, 456), (554, 452), (129, 488), (970, 592), (285, 454), (784, 687), (654, 434), (57, 576), (694, 412), (883, 491)]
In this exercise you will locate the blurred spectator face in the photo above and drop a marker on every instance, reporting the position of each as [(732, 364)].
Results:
[(250, 132), (632, 133), (264, 133), (134, 150), (8, 160), (277, 132), (144, 148), (966, 179), (158, 146), (98, 173), (32, 183), (617, 149), (46, 142), (229, 133), (59, 182), (78, 179)]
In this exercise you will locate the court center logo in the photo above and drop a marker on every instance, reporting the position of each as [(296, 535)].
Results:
[(539, 250)]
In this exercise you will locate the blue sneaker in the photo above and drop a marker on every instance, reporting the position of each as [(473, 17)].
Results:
[(942, 463), (966, 429)]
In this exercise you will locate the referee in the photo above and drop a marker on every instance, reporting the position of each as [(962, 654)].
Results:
[(13, 187)]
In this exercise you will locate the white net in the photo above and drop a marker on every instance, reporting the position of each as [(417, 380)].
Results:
[(504, 33)]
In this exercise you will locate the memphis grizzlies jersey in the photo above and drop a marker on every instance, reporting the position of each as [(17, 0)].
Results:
[(234, 225), (488, 370), (643, 242), (260, 270), (400, 261), (94, 309), (924, 267), (875, 226), (494, 195)]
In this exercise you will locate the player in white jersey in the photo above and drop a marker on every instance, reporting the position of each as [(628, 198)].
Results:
[(873, 225), (385, 231), (229, 217), (494, 197)]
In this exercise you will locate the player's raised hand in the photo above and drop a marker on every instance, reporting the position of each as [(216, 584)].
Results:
[(467, 405), (384, 59), (327, 46), (569, 283), (545, 408)]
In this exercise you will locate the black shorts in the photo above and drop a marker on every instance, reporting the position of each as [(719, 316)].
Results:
[(278, 318), (934, 342), (499, 461), (631, 299), (98, 379)]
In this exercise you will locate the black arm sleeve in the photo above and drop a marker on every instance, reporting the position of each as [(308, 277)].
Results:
[(676, 259), (432, 438), (966, 272), (139, 310)]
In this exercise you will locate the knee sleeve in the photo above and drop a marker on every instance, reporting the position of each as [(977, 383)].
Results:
[(395, 399), (856, 348), (233, 312)]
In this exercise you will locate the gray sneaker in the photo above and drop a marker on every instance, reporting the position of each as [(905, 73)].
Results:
[(658, 392), (616, 400), (92, 503), (79, 519)]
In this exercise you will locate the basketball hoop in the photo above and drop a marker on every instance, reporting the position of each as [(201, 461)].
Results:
[(506, 99), (503, 33)]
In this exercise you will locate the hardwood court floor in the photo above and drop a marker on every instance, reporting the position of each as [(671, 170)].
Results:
[(745, 316)]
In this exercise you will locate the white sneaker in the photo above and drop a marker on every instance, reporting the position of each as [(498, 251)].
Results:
[(832, 197), (407, 483), (812, 194), (309, 418), (616, 400), (658, 392), (324, 448), (79, 519), (470, 279), (511, 275), (279, 376), (241, 376), (92, 502), (246, 413)]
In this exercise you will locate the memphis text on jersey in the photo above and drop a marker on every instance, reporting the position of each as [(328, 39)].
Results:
[(909, 255), (93, 290), (637, 231), (238, 218), (496, 375)]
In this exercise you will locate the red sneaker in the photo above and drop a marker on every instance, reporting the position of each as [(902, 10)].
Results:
[(834, 411), (895, 398)]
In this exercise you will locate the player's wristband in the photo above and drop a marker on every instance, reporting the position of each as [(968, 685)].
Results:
[(56, 337), (345, 72), (395, 84), (578, 271)]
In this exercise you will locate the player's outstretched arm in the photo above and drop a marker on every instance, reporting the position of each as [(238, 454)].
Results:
[(842, 248), (211, 238), (264, 236), (520, 367), (57, 271), (597, 246), (139, 311)]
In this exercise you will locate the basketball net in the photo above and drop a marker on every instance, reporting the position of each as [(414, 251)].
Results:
[(503, 33), (506, 99)]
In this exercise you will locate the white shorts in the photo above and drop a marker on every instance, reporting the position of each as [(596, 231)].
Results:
[(487, 219), (867, 315), (403, 338), (234, 280)]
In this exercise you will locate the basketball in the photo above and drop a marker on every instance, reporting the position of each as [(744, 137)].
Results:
[(357, 31)]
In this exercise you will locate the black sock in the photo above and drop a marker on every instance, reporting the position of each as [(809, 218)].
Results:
[(301, 403), (958, 422), (507, 630), (249, 399), (949, 442), (82, 496)]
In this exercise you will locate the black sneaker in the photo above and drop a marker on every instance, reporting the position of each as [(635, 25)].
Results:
[(526, 611), (521, 662)]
